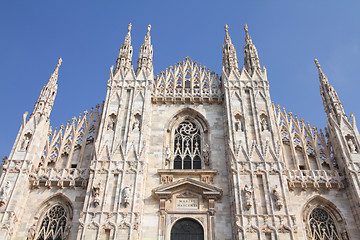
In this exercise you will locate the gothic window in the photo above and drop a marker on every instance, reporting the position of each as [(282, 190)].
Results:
[(187, 146), (53, 224), (322, 226), (188, 229)]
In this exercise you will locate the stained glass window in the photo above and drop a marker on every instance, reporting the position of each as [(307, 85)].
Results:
[(53, 224), (322, 226), (187, 146)]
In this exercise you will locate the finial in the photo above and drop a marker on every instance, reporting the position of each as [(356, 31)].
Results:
[(246, 28), (149, 28), (129, 27), (59, 62), (226, 28), (317, 63), (247, 36)]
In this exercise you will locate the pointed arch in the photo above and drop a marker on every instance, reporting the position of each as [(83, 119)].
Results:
[(52, 219), (320, 213), (187, 144)]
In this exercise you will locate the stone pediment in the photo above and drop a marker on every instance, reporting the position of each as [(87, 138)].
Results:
[(189, 186)]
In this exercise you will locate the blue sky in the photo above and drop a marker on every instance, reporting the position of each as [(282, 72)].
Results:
[(88, 34)]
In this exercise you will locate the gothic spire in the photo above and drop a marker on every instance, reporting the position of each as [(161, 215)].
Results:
[(124, 59), (251, 58), (230, 61), (145, 60), (331, 101), (45, 102)]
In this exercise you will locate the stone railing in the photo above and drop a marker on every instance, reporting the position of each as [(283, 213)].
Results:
[(58, 177), (314, 179)]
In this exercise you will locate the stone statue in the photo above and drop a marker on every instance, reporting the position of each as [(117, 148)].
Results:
[(351, 146), (111, 123), (278, 198), (239, 124), (264, 125), (248, 196), (96, 194), (168, 156), (206, 154), (26, 142), (5, 190), (31, 232), (4, 193), (136, 125), (126, 196)]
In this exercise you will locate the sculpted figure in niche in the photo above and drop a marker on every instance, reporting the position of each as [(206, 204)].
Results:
[(351, 146), (96, 194), (264, 124), (111, 123), (26, 142), (136, 124), (206, 154), (277, 197), (248, 196), (126, 196), (238, 123), (4, 193)]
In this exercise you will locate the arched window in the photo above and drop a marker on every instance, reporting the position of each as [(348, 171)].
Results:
[(53, 224), (188, 229), (187, 146), (322, 225)]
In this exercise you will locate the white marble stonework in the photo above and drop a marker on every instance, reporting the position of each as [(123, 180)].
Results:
[(183, 152)]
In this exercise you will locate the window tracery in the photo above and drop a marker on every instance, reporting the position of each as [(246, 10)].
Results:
[(54, 224), (187, 146), (322, 225)]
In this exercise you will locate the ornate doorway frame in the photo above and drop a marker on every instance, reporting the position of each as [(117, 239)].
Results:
[(186, 198)]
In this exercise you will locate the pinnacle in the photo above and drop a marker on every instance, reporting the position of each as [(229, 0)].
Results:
[(317, 64), (227, 38), (322, 76), (59, 62), (247, 36), (128, 36)]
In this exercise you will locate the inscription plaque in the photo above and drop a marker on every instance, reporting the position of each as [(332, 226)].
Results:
[(187, 203)]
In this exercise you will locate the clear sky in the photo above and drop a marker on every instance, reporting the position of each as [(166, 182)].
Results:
[(87, 35)]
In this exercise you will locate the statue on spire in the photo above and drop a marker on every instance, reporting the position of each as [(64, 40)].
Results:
[(251, 58), (128, 35)]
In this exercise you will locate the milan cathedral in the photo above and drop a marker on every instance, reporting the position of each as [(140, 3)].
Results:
[(183, 154)]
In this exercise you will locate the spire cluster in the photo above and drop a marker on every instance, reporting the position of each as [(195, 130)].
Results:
[(124, 60), (251, 58)]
